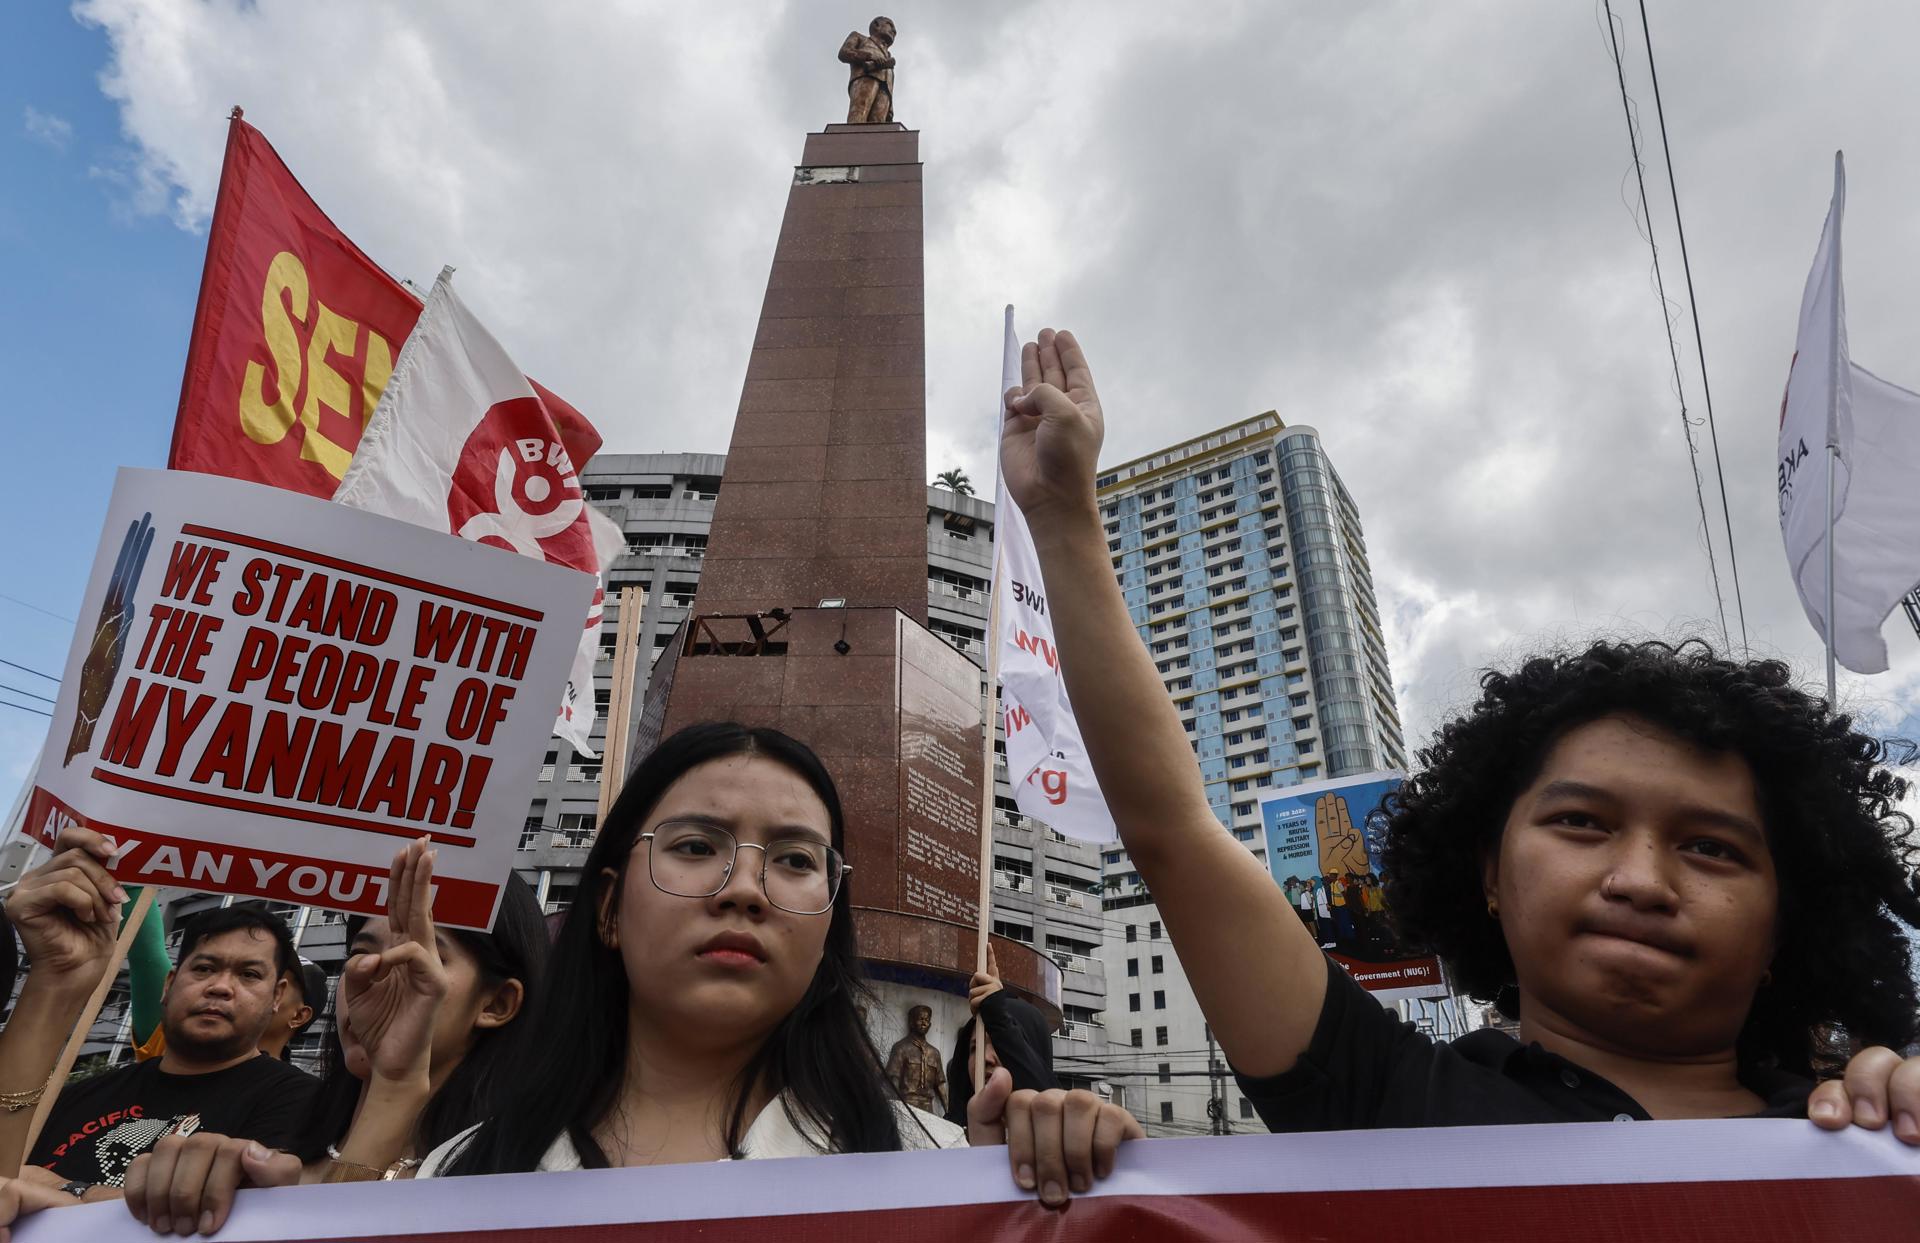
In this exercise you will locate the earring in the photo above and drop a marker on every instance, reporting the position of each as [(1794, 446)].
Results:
[(1493, 909)]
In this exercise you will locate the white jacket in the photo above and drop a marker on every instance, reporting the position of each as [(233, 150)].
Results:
[(773, 1134)]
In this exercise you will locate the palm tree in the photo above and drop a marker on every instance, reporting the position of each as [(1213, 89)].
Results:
[(954, 481)]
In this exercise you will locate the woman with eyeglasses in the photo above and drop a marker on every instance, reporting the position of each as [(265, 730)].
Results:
[(703, 989)]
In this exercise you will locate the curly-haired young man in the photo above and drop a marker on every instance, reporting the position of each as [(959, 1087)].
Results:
[(1685, 873)]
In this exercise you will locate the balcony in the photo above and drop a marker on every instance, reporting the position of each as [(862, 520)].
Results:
[(1071, 1030), (1060, 895), (1013, 882)]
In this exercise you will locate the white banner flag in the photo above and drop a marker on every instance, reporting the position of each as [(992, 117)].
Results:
[(1046, 761), (461, 442), (1874, 429)]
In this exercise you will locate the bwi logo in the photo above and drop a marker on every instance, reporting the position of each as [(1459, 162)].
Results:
[(515, 488)]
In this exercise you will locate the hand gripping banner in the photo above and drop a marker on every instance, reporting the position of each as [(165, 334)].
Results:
[(1721, 1181)]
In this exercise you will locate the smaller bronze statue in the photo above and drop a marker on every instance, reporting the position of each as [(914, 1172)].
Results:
[(870, 88), (914, 1065)]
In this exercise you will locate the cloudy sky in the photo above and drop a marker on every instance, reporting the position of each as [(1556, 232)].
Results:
[(1408, 225)]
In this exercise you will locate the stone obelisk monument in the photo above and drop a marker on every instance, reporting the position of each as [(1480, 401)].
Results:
[(812, 605)]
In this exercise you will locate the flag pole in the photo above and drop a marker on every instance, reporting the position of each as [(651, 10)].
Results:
[(987, 723), (1833, 401), (1833, 456)]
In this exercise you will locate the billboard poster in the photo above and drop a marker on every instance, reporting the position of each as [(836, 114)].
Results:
[(1323, 845)]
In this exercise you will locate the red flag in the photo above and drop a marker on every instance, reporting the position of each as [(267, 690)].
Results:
[(294, 337)]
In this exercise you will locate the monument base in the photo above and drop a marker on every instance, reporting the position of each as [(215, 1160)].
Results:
[(894, 713)]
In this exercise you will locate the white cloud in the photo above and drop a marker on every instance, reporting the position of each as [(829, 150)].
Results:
[(48, 129), (1399, 223)]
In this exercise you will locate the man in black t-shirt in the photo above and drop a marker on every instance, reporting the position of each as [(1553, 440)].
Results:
[(218, 1002)]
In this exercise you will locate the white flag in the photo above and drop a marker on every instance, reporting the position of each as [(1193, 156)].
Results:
[(1046, 761), (1874, 427), (461, 442)]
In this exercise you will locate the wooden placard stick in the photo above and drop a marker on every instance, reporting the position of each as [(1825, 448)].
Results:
[(128, 931)]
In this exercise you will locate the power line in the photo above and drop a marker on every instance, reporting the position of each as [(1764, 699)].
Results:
[(6, 703), (1693, 308), (1666, 319), (36, 608), (14, 690), (35, 672)]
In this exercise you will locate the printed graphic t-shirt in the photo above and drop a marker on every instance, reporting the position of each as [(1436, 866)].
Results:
[(99, 1125)]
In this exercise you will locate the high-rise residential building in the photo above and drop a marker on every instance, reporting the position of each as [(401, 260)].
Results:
[(1243, 565)]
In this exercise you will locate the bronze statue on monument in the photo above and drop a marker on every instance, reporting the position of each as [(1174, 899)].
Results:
[(914, 1065), (870, 86)]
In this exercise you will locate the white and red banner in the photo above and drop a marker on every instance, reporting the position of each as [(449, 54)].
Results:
[(462, 442), (268, 694), (1727, 1181), (1873, 430), (1046, 760)]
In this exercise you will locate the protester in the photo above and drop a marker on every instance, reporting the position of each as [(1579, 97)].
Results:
[(147, 969), (702, 1010), (1018, 1038), (470, 1010), (214, 1009), (1679, 870), (300, 1004)]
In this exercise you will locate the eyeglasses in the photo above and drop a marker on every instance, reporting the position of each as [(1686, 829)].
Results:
[(800, 875)]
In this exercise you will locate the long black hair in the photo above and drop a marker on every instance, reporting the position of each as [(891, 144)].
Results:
[(516, 949), (819, 1060), (1841, 847)]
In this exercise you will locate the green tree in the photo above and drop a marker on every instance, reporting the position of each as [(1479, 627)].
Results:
[(954, 481)]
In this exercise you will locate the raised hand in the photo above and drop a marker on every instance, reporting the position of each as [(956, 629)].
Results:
[(68, 909), (1058, 1142), (389, 1000), (1050, 438), (102, 665)]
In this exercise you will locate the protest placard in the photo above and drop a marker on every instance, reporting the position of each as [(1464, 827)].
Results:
[(1325, 836), (1720, 1181), (268, 694)]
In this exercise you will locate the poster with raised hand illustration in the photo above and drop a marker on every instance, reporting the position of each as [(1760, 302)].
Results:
[(1323, 846), (270, 693)]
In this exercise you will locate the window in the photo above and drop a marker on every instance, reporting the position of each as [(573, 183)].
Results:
[(1133, 1002), (1159, 999), (1133, 933), (1166, 1072), (1137, 1042), (1158, 964), (1246, 1108), (1160, 1037), (1133, 966), (1166, 1111), (1153, 930)]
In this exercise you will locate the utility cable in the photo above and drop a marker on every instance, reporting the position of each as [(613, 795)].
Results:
[(1666, 317), (1699, 345), (35, 672)]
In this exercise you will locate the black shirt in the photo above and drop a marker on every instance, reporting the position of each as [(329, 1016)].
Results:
[(1367, 1069), (99, 1125)]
